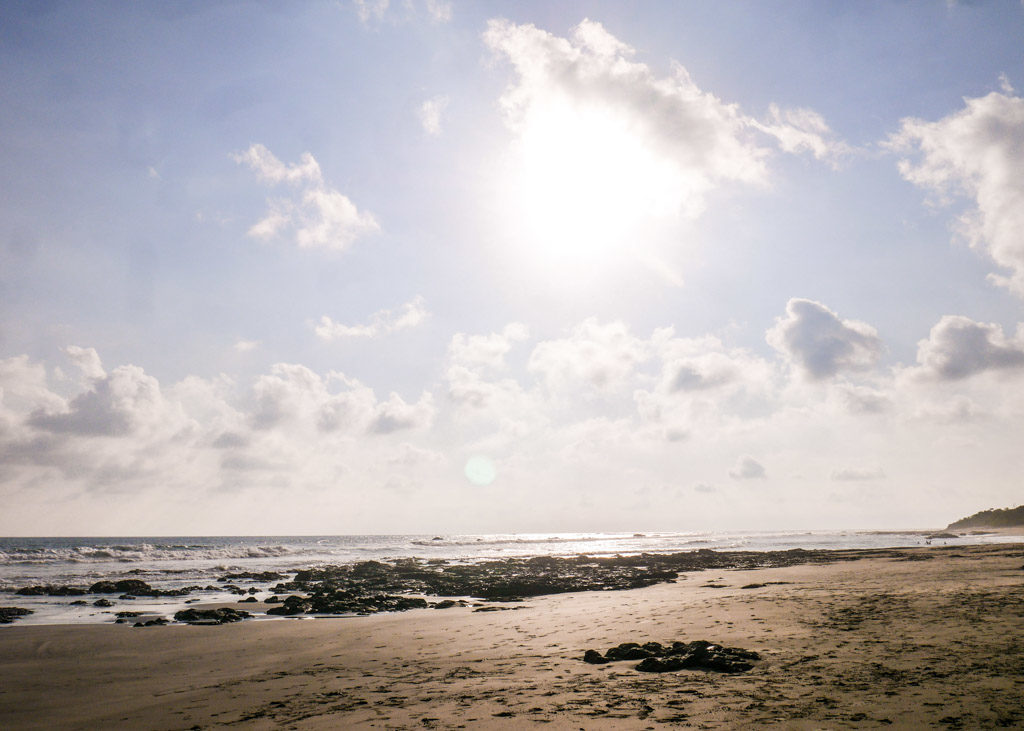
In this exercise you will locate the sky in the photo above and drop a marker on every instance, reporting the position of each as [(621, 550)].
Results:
[(433, 266)]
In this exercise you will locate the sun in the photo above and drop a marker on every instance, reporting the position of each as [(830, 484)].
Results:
[(586, 187)]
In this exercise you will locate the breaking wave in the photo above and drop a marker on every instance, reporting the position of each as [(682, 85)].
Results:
[(138, 553)]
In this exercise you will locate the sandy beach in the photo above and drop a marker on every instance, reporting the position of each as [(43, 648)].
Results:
[(929, 637)]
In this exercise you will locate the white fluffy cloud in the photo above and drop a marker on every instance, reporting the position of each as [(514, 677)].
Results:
[(487, 351), (318, 216), (588, 422), (595, 356), (959, 347), (430, 113), (119, 403), (271, 170), (821, 344), (473, 364), (406, 316), (976, 153), (707, 141)]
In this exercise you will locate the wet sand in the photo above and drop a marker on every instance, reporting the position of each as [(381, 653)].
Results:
[(928, 638)]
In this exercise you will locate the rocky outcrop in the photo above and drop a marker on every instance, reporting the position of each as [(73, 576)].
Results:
[(136, 587), (9, 614), (264, 576), (221, 615), (158, 622), (346, 602), (51, 590), (697, 655)]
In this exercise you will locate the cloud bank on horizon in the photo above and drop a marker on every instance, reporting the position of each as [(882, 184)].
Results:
[(660, 297)]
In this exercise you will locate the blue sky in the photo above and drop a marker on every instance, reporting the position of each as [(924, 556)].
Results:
[(443, 266)]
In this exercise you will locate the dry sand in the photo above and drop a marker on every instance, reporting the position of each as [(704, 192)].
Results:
[(929, 640)]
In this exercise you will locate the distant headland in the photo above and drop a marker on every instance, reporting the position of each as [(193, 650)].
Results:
[(995, 518)]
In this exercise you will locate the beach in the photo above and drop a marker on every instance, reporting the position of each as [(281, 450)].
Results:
[(922, 637)]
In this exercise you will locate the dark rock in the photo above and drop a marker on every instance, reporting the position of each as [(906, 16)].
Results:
[(254, 576), (79, 603), (291, 605), (158, 622), (273, 599), (134, 588), (627, 651), (103, 603), (374, 586), (124, 615), (248, 599), (9, 614), (221, 615), (446, 604), (50, 590), (658, 658), (657, 665)]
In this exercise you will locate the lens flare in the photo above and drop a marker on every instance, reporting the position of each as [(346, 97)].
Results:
[(480, 471)]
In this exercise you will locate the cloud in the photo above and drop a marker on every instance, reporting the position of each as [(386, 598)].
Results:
[(822, 345), (396, 415), (976, 153), (440, 11), (706, 141), (594, 356), (857, 475), (430, 113), (803, 130), (318, 216), (748, 468), (246, 346), (271, 170), (486, 351), (864, 399), (472, 361), (292, 397), (377, 11), (371, 9), (87, 360), (959, 348), (23, 386), (117, 404), (384, 322)]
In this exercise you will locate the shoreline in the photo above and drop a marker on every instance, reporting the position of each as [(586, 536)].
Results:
[(400, 584), (921, 637)]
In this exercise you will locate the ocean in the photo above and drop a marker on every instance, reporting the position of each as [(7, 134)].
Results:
[(172, 562)]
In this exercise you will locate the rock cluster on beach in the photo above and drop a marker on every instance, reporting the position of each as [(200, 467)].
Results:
[(325, 600), (221, 615), (369, 587), (124, 587), (374, 586), (696, 655), (9, 614)]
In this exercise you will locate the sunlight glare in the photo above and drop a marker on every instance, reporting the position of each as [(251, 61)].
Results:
[(587, 187)]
